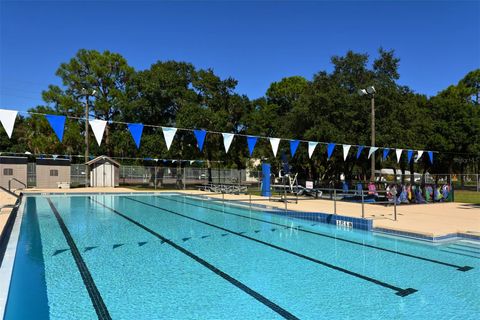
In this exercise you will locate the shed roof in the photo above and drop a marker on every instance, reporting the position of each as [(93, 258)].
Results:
[(53, 162), (102, 158), (13, 160)]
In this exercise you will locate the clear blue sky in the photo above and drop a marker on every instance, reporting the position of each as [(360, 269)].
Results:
[(255, 42)]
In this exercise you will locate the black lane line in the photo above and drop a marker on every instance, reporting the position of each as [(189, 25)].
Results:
[(462, 249), (254, 294), (467, 246), (459, 268), (399, 291), (460, 254), (95, 297)]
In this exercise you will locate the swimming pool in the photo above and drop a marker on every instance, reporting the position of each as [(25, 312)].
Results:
[(172, 256)]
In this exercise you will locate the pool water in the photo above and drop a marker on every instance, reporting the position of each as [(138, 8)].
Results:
[(179, 257)]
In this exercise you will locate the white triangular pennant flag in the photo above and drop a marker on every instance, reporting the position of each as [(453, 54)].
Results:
[(169, 134), (192, 161), (399, 154), (372, 151), (54, 156), (346, 148), (227, 140), (98, 128), (311, 147), (419, 155), (7, 117), (274, 142)]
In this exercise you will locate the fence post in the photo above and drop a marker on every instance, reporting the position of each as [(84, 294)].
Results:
[(184, 177), (334, 201), (395, 207), (363, 206), (155, 179)]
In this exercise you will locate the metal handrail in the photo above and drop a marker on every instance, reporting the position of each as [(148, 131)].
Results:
[(15, 179)]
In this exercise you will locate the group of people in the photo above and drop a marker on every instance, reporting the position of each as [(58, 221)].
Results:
[(411, 193)]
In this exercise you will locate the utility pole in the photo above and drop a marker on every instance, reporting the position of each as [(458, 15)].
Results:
[(370, 91), (372, 177), (87, 95), (87, 149)]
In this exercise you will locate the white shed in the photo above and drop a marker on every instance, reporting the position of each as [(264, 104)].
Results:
[(104, 172)]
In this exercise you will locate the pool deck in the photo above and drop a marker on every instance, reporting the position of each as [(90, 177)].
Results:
[(432, 220), (5, 199)]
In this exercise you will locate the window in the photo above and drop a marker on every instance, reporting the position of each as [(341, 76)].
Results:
[(53, 173), (8, 172)]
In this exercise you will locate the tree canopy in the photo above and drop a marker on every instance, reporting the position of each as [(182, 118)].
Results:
[(323, 108)]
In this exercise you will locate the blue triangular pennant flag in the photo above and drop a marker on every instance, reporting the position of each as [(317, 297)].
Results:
[(136, 130), (57, 123), (200, 135), (251, 140), (430, 156), (330, 148), (360, 149), (409, 154), (385, 153), (293, 146)]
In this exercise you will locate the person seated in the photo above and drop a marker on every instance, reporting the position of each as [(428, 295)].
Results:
[(372, 189)]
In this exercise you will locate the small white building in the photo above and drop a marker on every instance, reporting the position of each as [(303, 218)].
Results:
[(104, 172)]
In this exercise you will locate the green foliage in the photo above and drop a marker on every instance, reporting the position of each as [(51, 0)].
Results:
[(324, 108)]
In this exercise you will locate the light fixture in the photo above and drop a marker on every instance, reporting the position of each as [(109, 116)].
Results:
[(371, 89), (362, 92)]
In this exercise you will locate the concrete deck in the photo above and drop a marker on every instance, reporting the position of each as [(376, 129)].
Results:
[(429, 219), (5, 199)]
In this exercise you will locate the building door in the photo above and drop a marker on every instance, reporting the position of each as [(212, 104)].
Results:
[(99, 175), (108, 175)]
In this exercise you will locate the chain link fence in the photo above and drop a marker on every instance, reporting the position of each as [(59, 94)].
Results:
[(194, 177)]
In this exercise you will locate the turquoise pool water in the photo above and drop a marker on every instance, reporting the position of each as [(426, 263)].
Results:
[(177, 257)]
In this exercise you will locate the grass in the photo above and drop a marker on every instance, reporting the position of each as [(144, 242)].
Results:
[(467, 196)]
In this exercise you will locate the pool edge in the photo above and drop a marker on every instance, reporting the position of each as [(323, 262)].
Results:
[(8, 261)]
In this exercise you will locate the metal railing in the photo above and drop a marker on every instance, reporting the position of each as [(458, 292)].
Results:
[(16, 180)]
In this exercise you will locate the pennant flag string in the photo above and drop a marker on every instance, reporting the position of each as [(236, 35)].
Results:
[(430, 156), (251, 141), (81, 156), (385, 153), (372, 151), (293, 147), (58, 124), (419, 155), (7, 117), (169, 134), (359, 152), (311, 148), (274, 142), (136, 130), (330, 148), (200, 136), (98, 128), (399, 154), (409, 155), (227, 140), (346, 148)]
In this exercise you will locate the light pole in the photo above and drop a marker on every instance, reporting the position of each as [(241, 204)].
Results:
[(87, 94), (370, 91)]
